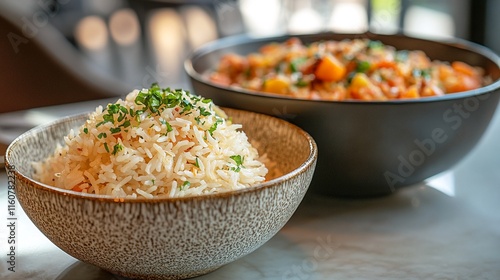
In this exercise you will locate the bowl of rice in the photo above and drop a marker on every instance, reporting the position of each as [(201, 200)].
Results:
[(386, 110), (162, 184)]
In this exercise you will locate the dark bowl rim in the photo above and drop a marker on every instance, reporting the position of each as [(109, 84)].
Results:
[(246, 38), (304, 166)]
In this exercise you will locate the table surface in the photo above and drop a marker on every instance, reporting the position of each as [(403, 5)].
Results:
[(445, 228)]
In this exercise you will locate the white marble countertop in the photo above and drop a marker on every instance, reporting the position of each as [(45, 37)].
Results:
[(445, 228)]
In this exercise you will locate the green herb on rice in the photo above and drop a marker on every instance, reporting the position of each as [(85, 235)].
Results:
[(153, 102), (116, 148), (185, 185), (169, 127), (102, 135), (239, 162), (211, 130), (115, 130), (125, 124)]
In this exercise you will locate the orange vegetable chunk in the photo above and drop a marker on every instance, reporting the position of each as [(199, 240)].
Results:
[(276, 85), (330, 69)]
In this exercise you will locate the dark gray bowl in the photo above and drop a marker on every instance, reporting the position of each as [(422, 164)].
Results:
[(370, 148)]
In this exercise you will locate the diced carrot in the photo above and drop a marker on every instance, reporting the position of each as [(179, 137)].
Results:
[(464, 68), (460, 83), (465, 77), (445, 71), (384, 64), (471, 82), (276, 85), (330, 69), (411, 92)]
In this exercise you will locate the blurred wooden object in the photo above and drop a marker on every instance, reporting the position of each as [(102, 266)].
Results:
[(41, 68)]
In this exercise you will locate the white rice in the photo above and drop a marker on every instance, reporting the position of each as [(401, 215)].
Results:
[(147, 159)]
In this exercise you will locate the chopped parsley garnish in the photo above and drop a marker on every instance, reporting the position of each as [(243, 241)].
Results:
[(204, 112), (214, 126), (186, 106), (239, 162), (152, 102), (185, 185), (125, 124), (115, 130), (116, 148), (86, 130), (102, 135), (196, 163), (152, 99), (106, 147), (169, 127), (109, 118)]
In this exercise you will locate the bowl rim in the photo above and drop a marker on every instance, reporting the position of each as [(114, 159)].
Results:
[(235, 40), (13, 171)]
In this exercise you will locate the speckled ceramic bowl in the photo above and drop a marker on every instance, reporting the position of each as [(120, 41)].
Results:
[(166, 238)]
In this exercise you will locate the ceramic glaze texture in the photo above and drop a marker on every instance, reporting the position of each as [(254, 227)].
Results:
[(167, 238)]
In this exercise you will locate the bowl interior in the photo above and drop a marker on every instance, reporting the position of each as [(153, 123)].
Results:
[(206, 58)]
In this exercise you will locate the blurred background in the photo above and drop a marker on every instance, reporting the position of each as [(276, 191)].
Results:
[(59, 51)]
